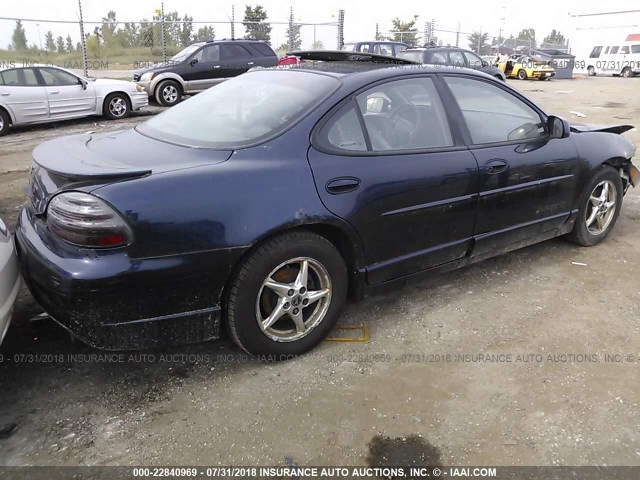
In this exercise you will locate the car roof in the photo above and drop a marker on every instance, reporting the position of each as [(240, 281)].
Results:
[(369, 67), (36, 65), (376, 41)]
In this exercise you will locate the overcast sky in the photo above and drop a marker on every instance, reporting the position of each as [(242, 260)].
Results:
[(360, 21)]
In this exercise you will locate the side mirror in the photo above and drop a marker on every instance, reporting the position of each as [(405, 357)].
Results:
[(193, 62), (558, 127), (83, 83), (485, 63)]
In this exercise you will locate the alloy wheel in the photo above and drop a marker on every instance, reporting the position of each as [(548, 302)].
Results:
[(601, 207), (118, 107), (170, 93), (293, 299)]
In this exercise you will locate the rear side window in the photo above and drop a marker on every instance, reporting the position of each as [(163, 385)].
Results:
[(635, 48), (343, 131), (19, 77), (263, 49), (233, 52), (624, 50), (492, 114)]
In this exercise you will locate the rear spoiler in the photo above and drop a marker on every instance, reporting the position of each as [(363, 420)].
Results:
[(344, 56)]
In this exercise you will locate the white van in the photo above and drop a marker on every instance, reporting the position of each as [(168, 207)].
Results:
[(618, 59)]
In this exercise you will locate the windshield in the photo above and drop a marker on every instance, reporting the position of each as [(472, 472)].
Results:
[(184, 54), (241, 111), (349, 47)]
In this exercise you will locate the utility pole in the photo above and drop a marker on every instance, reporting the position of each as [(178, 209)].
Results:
[(83, 42), (233, 22)]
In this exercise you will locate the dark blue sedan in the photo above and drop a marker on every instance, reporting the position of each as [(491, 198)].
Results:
[(259, 205)]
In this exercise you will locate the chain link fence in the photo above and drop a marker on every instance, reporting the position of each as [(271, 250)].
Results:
[(109, 45)]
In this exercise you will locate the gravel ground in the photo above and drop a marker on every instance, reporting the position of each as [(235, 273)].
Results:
[(549, 314)]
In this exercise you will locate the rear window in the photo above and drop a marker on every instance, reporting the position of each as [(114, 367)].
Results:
[(242, 111), (415, 56)]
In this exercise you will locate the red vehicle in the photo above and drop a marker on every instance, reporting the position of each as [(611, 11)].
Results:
[(290, 60)]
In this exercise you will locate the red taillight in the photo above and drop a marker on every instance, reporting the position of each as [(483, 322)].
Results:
[(87, 221)]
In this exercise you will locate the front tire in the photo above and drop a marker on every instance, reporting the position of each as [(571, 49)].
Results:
[(168, 93), (117, 106), (522, 75), (287, 295), (599, 208), (591, 71)]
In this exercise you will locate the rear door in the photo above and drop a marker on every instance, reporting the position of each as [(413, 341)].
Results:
[(23, 96), (528, 181), (387, 162), (235, 59), (66, 94)]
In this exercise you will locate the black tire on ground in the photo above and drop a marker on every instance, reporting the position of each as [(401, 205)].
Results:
[(522, 75), (4, 122), (116, 106), (627, 72), (168, 93), (580, 233), (591, 71), (244, 298)]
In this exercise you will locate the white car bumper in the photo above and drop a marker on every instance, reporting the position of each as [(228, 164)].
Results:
[(9, 279), (139, 100)]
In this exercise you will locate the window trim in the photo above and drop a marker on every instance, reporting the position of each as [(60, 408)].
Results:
[(42, 82), (36, 74), (456, 135), (455, 107)]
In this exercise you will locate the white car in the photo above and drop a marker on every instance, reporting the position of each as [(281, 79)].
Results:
[(38, 94), (9, 278)]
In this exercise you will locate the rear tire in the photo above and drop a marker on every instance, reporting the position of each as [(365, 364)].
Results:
[(116, 106), (273, 309), (168, 93), (522, 75), (627, 73), (5, 122), (599, 209)]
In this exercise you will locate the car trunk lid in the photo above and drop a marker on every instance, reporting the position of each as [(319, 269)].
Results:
[(89, 160)]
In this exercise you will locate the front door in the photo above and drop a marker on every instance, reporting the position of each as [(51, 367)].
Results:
[(66, 94), (387, 162), (528, 180)]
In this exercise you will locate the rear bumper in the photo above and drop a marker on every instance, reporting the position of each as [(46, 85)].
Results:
[(114, 302)]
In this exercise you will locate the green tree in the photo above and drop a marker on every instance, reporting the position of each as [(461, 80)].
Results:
[(186, 31), (254, 24), (205, 33), (60, 44), (405, 32), (19, 38), (293, 34), (131, 34), (317, 45), (528, 35), (479, 43), (49, 42), (70, 48), (555, 38)]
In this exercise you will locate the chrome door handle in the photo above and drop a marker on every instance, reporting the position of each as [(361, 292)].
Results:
[(5, 94), (54, 92), (250, 63)]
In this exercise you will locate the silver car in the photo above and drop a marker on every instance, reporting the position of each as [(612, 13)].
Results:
[(9, 278), (37, 94)]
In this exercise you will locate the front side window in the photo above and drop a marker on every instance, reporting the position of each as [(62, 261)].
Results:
[(457, 59), (349, 47), (473, 60), (242, 111), (614, 50), (399, 115), (56, 78), (414, 55), (437, 58), (208, 54), (364, 47), (494, 115), (595, 53)]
